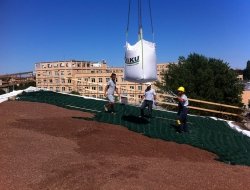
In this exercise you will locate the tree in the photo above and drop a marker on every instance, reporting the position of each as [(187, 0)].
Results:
[(204, 78), (246, 73), (2, 91)]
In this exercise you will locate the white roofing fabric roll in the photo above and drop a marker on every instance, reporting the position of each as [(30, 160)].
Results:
[(140, 62)]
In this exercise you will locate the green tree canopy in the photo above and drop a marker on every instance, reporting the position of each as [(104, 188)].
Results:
[(203, 78), (246, 73)]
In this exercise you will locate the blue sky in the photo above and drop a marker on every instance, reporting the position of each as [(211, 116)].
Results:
[(33, 31)]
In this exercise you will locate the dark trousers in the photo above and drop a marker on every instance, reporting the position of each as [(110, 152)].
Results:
[(182, 116), (149, 104)]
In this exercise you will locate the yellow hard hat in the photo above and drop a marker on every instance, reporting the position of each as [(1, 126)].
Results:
[(181, 89)]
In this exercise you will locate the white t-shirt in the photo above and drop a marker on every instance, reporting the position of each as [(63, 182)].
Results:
[(149, 95), (184, 97), (112, 86)]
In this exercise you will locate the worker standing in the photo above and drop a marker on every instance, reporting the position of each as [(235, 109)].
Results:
[(149, 98), (110, 89), (182, 110)]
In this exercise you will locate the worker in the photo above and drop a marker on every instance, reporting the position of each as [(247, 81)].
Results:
[(149, 98), (109, 91), (182, 110)]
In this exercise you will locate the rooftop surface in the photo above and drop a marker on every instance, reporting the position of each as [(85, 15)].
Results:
[(206, 133), (44, 146)]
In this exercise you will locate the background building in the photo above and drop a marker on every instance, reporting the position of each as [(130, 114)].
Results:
[(87, 78), (16, 81)]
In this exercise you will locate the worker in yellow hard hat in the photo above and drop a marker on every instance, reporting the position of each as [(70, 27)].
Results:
[(182, 110)]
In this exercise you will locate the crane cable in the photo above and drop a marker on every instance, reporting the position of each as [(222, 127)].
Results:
[(151, 20), (140, 36), (129, 3), (140, 19)]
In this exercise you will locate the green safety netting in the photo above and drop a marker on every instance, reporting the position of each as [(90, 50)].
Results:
[(205, 133)]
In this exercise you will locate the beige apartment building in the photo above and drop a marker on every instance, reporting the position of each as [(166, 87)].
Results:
[(87, 78)]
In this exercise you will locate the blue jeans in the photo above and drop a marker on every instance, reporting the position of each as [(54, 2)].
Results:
[(182, 116), (149, 104)]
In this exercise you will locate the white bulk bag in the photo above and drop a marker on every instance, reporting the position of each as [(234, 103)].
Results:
[(140, 62)]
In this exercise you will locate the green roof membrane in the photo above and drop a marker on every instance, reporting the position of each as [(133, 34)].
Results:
[(212, 135)]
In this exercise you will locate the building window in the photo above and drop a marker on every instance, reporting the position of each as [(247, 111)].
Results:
[(132, 87), (63, 80), (70, 89), (100, 96), (69, 80), (92, 71), (139, 87), (100, 88), (92, 79), (63, 88), (93, 88), (51, 88), (62, 72), (107, 79), (100, 79), (57, 89)]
